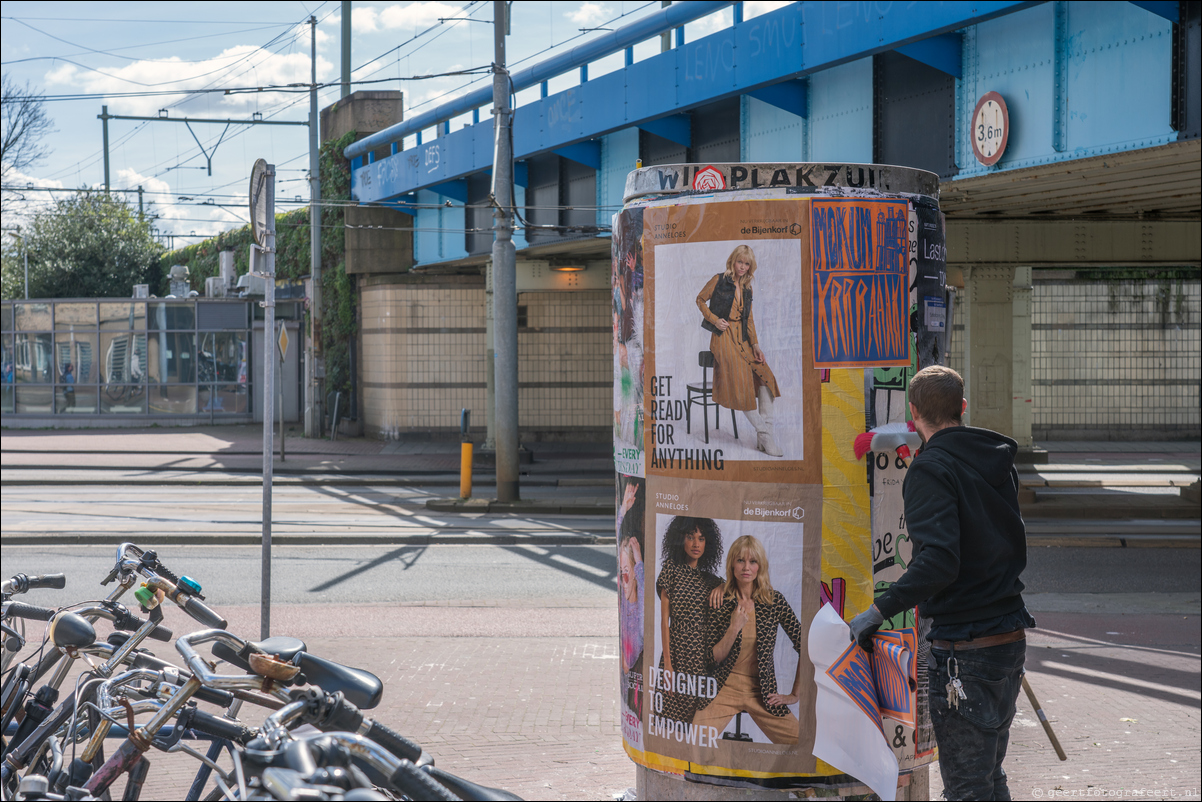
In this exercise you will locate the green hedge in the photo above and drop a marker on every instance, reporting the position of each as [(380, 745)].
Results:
[(292, 260)]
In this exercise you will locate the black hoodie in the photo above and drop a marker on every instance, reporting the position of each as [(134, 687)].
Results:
[(970, 545)]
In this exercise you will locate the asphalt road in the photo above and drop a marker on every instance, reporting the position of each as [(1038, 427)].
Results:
[(409, 574), (1058, 579), (358, 574), (140, 512)]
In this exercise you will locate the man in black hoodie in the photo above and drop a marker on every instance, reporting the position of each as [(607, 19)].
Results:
[(961, 506)]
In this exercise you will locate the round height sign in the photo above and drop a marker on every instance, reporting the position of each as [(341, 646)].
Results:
[(990, 128)]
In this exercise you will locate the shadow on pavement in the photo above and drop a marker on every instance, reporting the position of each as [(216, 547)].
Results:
[(590, 564), (407, 556)]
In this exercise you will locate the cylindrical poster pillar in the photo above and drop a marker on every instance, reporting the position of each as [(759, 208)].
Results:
[(767, 318)]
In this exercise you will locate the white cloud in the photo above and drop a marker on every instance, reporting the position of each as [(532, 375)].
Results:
[(365, 19), (239, 66), (713, 23), (21, 179), (173, 215), (20, 203), (416, 15), (590, 14), (753, 8)]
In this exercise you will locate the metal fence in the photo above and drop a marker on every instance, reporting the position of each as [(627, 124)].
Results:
[(1111, 359)]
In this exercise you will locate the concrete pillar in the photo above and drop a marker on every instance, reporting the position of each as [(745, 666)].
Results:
[(989, 347), (1021, 360)]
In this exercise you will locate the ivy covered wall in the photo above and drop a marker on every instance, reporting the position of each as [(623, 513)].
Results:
[(292, 260)]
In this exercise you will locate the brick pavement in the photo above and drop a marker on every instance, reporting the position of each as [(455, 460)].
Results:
[(524, 697), (547, 727), (1125, 707)]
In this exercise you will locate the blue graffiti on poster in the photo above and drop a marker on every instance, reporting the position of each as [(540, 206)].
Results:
[(860, 293)]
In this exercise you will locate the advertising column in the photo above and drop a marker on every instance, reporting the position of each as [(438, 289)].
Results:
[(749, 329)]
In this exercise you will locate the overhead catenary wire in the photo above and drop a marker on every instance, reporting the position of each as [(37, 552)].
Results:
[(345, 204), (96, 157), (532, 55), (114, 54), (286, 39)]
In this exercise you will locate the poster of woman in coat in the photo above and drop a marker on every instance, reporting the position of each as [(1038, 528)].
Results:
[(730, 372)]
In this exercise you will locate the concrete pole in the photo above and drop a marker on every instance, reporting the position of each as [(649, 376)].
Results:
[(141, 208), (346, 47), (104, 120), (504, 264), (269, 363), (25, 253), (315, 365)]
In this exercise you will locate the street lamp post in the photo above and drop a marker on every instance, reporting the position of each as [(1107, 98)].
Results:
[(25, 258)]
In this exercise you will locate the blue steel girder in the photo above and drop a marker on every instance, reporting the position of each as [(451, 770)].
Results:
[(455, 189), (787, 95), (1168, 9), (587, 153), (941, 52), (781, 45), (676, 128)]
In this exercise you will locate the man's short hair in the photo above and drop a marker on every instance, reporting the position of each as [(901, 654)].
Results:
[(937, 393)]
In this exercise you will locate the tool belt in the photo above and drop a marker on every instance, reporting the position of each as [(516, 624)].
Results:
[(979, 643)]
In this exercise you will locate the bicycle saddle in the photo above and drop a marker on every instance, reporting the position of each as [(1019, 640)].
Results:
[(466, 789), (362, 688), (280, 646)]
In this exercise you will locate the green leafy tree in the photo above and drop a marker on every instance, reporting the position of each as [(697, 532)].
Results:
[(12, 272), (90, 245)]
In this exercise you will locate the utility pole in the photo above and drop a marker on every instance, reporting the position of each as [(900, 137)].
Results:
[(346, 47), (104, 121), (16, 232), (314, 366), (504, 273), (141, 209)]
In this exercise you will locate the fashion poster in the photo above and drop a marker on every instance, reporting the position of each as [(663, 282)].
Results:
[(728, 681), (631, 512), (731, 391), (628, 341)]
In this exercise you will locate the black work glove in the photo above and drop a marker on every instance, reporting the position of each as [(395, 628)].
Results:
[(864, 625)]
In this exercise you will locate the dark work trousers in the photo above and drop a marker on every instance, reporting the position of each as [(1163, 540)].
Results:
[(972, 739)]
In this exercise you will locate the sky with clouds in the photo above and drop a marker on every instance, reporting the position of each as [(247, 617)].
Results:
[(141, 58)]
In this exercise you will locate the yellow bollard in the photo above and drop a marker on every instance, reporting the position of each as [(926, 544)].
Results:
[(465, 470)]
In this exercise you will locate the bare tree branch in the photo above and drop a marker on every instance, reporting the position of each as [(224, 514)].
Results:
[(24, 127)]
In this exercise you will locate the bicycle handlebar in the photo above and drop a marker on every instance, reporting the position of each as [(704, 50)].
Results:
[(124, 620), (55, 581), (132, 559), (29, 611), (21, 583), (203, 613)]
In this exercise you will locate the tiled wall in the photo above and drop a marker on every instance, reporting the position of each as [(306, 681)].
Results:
[(423, 361), (1110, 360), (422, 357), (565, 365), (1115, 360)]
